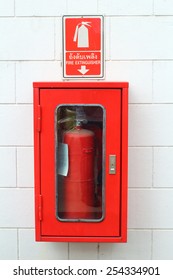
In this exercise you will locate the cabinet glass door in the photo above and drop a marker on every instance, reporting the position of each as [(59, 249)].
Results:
[(80, 145)]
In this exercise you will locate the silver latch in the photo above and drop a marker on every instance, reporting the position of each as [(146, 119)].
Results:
[(112, 164)]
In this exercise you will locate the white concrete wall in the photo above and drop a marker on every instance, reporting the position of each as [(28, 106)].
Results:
[(139, 49)]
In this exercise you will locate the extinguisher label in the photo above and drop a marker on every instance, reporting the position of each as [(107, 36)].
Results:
[(63, 163), (83, 55)]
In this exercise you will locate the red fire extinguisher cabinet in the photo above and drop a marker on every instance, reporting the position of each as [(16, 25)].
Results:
[(80, 157)]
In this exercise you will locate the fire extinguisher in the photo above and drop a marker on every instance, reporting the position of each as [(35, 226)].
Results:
[(98, 166), (81, 35), (79, 189)]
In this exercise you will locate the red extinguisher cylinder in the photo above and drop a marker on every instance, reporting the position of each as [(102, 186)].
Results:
[(79, 187)]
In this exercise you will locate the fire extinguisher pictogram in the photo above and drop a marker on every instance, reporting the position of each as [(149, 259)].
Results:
[(79, 185), (81, 35)]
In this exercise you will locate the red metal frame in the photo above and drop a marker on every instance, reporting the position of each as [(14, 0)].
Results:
[(63, 232)]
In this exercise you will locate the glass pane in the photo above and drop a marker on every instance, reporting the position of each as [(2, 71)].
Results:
[(79, 162)]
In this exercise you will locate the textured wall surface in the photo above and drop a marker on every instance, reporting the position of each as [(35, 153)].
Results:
[(138, 49)]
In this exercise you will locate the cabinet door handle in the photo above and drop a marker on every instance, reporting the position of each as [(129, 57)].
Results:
[(112, 164)]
